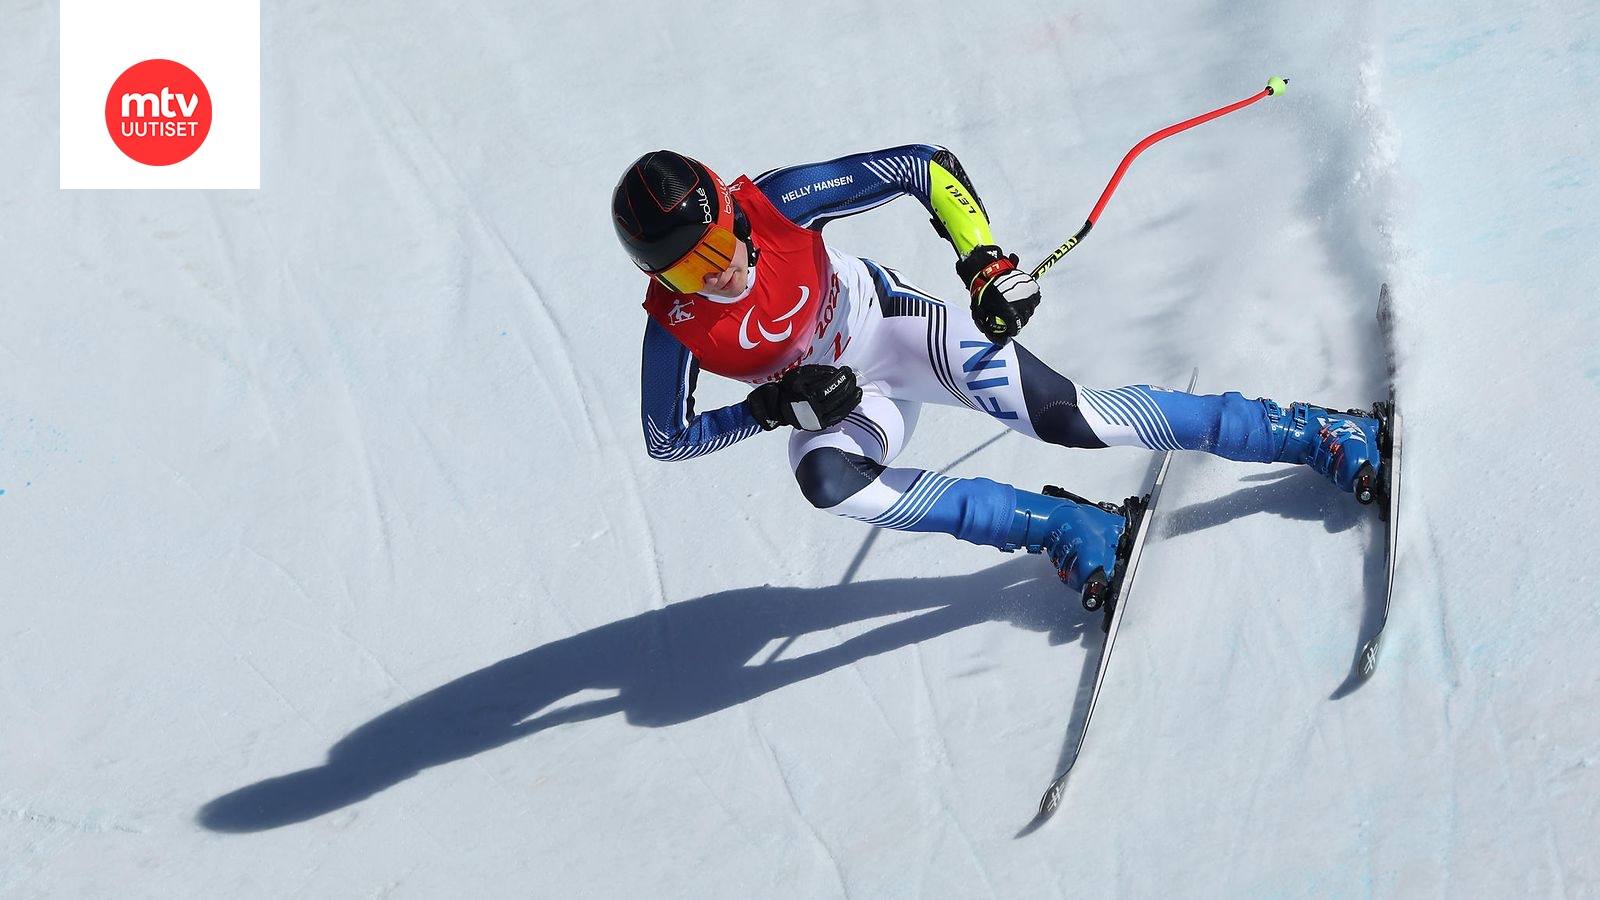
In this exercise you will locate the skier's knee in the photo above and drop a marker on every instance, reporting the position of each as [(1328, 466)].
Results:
[(1052, 401), (829, 476)]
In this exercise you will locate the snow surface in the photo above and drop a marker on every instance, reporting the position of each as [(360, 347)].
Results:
[(332, 565)]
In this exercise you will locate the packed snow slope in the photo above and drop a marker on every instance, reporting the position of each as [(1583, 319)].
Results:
[(332, 565)]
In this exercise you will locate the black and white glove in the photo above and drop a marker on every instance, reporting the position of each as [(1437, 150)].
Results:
[(810, 398), (1003, 296)]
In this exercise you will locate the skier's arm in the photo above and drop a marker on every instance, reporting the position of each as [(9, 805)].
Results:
[(672, 429), (815, 194), (1003, 296)]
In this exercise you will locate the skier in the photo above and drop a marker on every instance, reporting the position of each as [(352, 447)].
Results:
[(844, 351)]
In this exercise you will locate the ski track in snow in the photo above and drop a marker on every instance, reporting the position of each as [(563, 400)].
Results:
[(556, 339), (816, 837)]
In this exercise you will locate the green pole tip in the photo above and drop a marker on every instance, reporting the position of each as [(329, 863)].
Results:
[(1276, 86)]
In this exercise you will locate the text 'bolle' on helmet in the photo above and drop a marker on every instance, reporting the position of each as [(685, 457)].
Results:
[(676, 219)]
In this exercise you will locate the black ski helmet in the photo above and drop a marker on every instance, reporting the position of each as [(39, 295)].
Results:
[(664, 204)]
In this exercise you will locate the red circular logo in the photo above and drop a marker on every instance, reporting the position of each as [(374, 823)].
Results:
[(158, 112)]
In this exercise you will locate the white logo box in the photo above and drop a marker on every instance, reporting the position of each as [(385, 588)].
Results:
[(219, 39)]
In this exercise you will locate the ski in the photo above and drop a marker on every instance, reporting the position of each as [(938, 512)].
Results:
[(1138, 511), (1389, 428)]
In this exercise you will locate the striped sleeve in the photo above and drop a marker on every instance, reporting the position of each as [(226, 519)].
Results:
[(815, 194), (672, 429)]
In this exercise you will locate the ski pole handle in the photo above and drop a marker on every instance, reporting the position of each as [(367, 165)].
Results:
[(1274, 86)]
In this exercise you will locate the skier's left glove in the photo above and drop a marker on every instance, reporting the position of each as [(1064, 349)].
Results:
[(811, 398), (1003, 296)]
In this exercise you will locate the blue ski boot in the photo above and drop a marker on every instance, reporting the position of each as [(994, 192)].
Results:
[(1079, 537), (1340, 445)]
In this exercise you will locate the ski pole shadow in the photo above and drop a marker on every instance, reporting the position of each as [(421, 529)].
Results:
[(663, 667)]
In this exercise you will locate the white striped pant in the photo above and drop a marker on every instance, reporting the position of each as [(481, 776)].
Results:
[(913, 350)]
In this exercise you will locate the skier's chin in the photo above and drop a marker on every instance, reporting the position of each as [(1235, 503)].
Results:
[(735, 286)]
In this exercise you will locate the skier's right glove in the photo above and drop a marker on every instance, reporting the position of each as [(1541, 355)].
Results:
[(810, 398), (1003, 296)]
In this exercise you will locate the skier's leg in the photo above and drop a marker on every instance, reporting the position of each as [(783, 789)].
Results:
[(945, 359), (845, 471), (1140, 415), (1226, 425), (1229, 425)]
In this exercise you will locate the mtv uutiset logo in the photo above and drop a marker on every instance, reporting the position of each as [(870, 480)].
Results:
[(160, 94), (158, 127)]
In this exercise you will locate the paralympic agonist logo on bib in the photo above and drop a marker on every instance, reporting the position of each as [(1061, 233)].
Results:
[(158, 112)]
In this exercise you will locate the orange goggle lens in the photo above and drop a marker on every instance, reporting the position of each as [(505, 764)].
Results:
[(711, 256)]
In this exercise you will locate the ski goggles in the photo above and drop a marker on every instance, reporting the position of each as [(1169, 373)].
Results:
[(711, 255)]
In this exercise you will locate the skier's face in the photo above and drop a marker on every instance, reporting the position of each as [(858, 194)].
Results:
[(735, 279)]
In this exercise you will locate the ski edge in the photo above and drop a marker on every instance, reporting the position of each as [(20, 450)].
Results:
[(1367, 659), (1051, 799)]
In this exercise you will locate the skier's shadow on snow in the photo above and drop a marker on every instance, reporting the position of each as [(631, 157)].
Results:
[(666, 666), (1299, 493), (1290, 493)]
